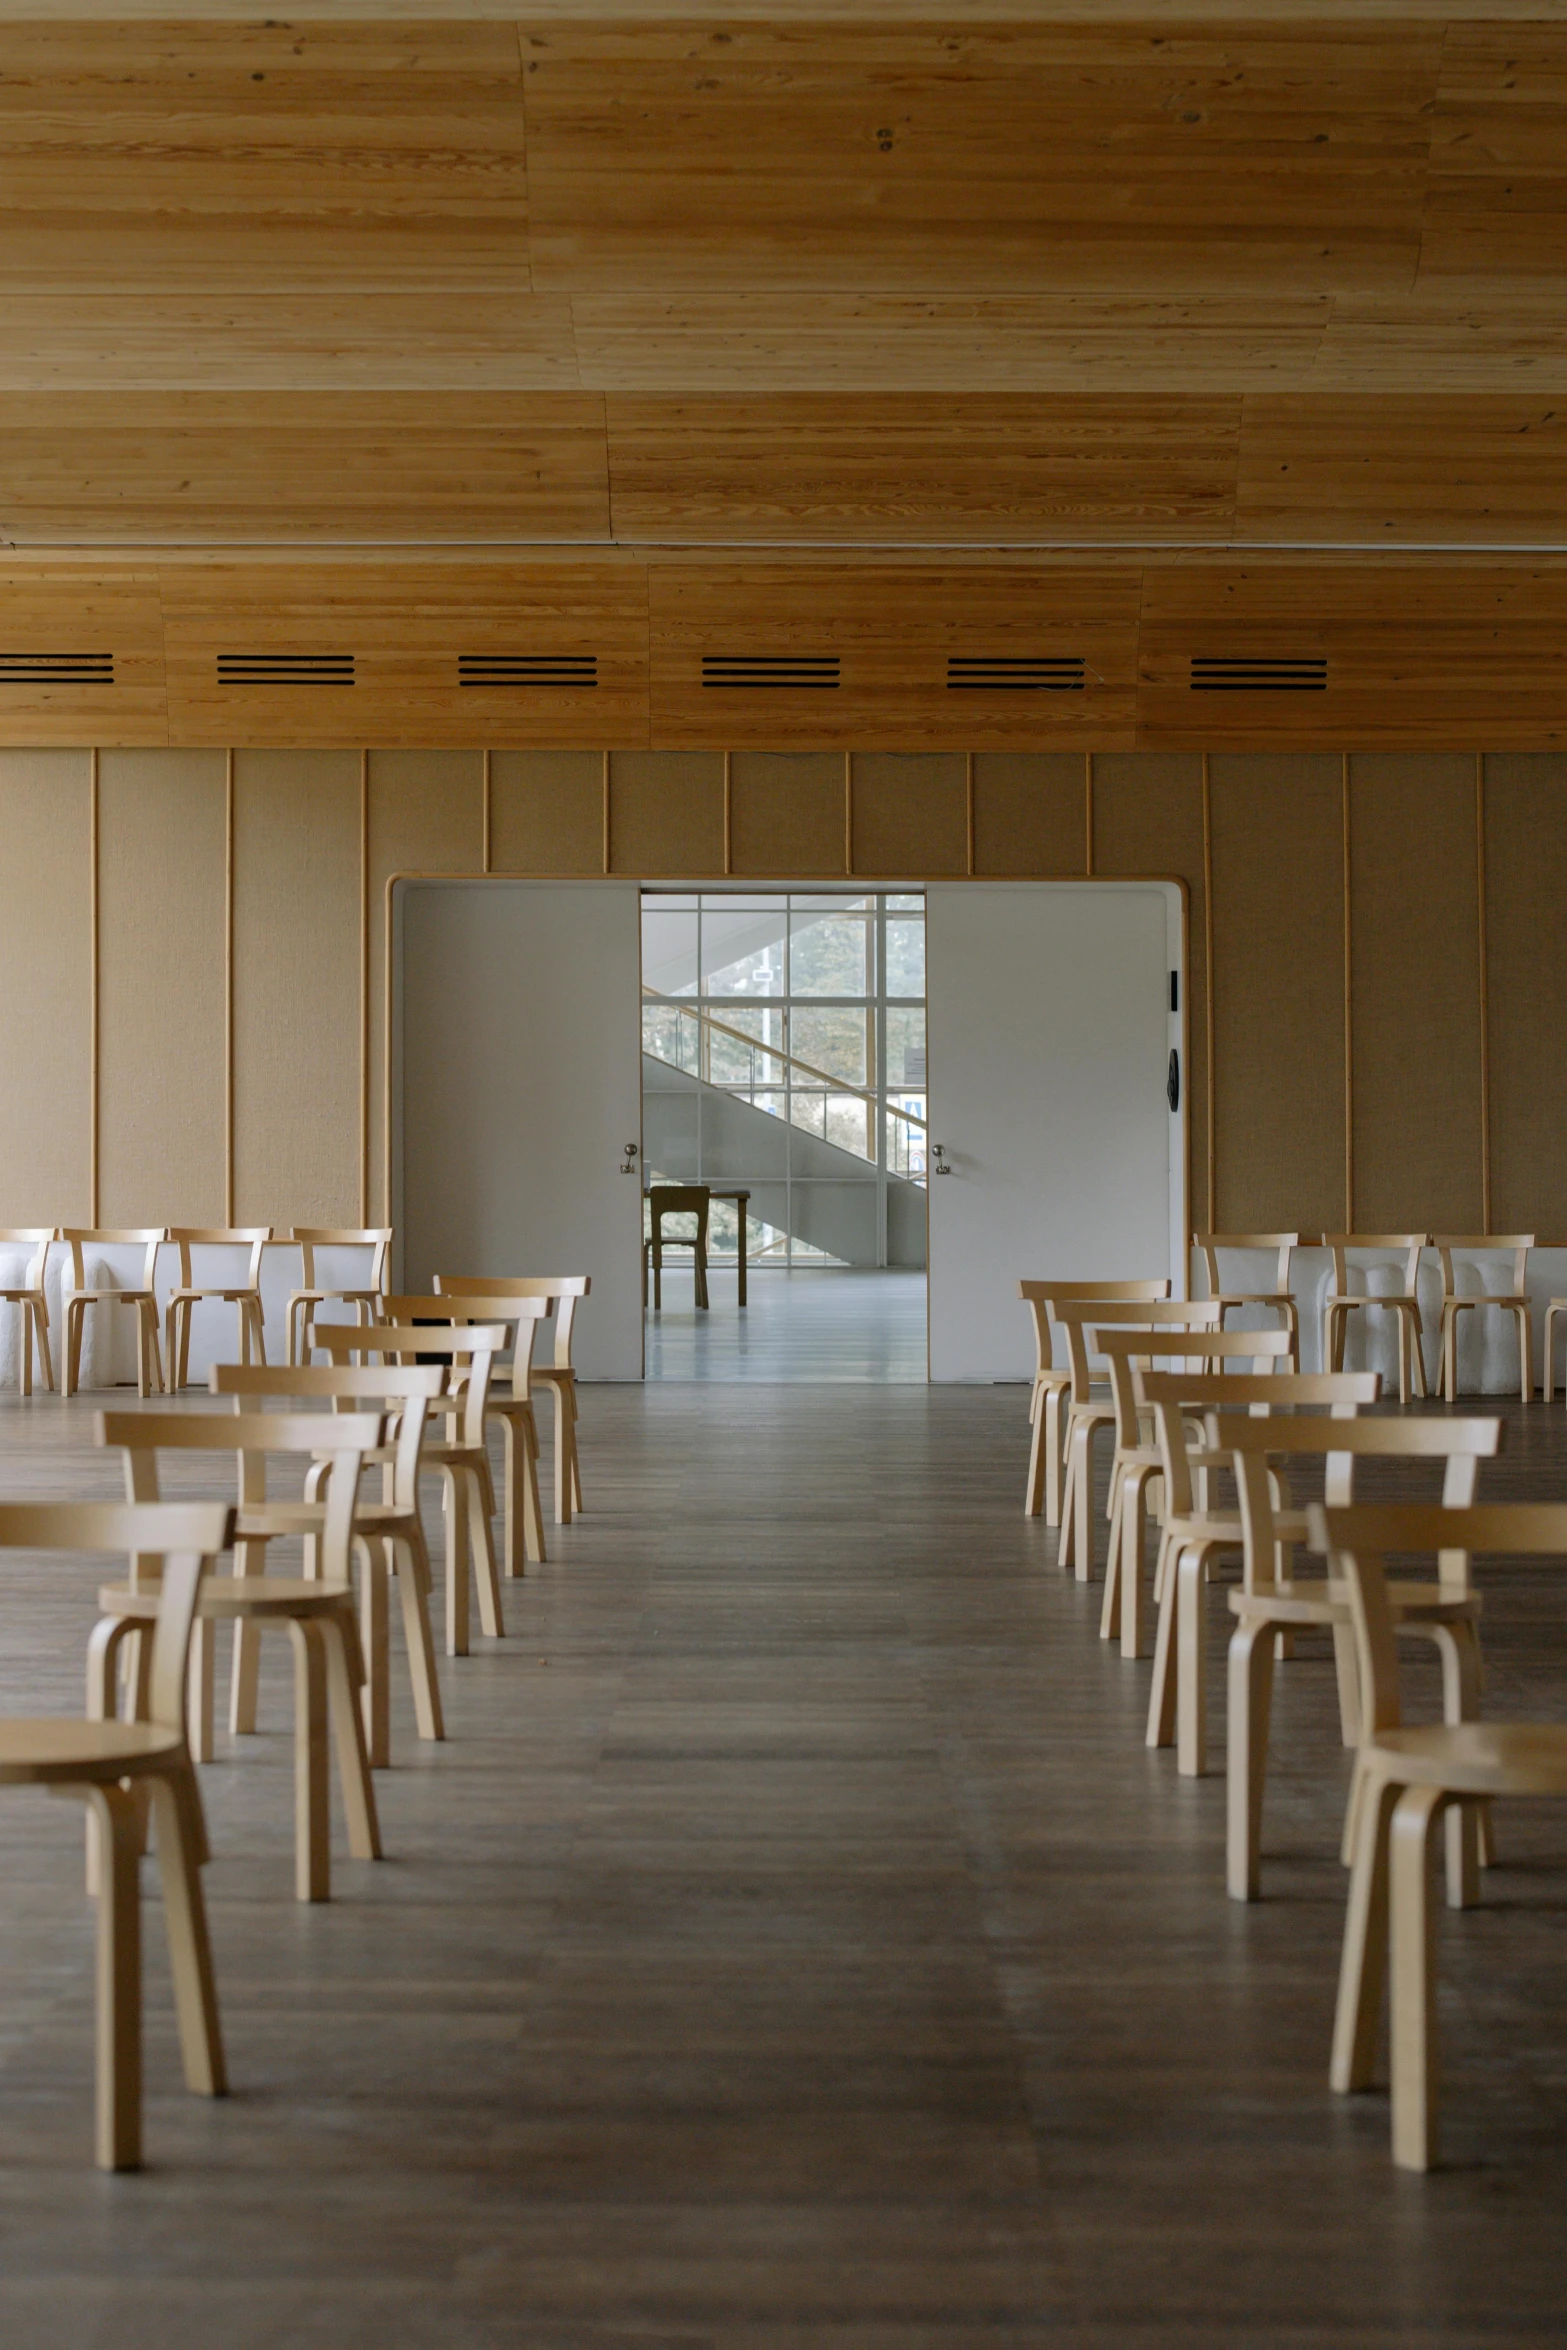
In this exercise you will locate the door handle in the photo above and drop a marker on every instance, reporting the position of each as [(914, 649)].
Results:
[(628, 1165), (1172, 1083)]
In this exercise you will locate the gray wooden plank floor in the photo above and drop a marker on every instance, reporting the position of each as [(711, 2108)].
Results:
[(802, 1325), (794, 1944)]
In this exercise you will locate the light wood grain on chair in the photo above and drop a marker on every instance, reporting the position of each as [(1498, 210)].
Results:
[(143, 1297)]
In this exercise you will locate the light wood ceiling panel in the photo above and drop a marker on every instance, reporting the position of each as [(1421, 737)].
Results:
[(1501, 340), (81, 657), (892, 630), (222, 466), (1497, 208), (1446, 468), (856, 465), (407, 628), (977, 159), (269, 154)]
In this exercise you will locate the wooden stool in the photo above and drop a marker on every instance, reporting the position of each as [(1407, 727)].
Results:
[(78, 1298), (676, 1199), (563, 1293), (246, 1294), (108, 1765), (1406, 1305), (31, 1297), (366, 1302), (1052, 1384), (1515, 1303), (1411, 1777)]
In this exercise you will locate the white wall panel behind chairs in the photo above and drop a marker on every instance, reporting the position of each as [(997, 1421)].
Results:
[(516, 1085), (1050, 1038)]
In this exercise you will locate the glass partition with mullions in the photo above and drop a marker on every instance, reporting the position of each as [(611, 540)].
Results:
[(783, 1053)]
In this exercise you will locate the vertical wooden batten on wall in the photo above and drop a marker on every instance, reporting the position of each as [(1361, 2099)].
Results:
[(848, 811), (1485, 1001), (93, 1088), (729, 809), (228, 987), (1207, 993), (604, 845), (968, 786), (1088, 814), (1349, 1023), (364, 987), (485, 831)]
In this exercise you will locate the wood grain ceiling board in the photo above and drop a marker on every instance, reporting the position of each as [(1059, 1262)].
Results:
[(1449, 466), (978, 159), (1509, 339), (1497, 206), (854, 465), (273, 154), (892, 630), (75, 613), (1423, 654), (407, 628), (336, 465)]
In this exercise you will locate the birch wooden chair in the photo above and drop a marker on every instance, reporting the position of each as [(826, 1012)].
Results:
[(317, 1611), (1557, 1305), (1404, 1305), (366, 1302), (388, 1535), (1411, 1778), (29, 1294), (188, 1293), (1089, 1413), (676, 1199), (522, 1513), (79, 1299), (110, 1766), (1514, 1304), (1274, 1597), (462, 1462), (1053, 1383), (564, 1293), (1194, 1538), (1135, 1471), (1281, 1246)]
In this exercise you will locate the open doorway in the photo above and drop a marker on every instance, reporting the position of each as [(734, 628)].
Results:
[(784, 1077)]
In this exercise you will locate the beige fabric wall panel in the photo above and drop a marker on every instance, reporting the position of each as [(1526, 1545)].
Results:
[(426, 816), (1415, 993), (45, 986), (1030, 813), (547, 812), (296, 988), (162, 1017), (910, 812), (1278, 991), (787, 813), (1526, 939), (666, 812), (1147, 819)]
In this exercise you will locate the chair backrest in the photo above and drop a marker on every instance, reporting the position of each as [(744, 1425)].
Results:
[(1358, 1543), (255, 1237), (37, 1237), (344, 1438), (184, 1537), (680, 1199), (1173, 1396), (411, 1387), (1127, 1350), (150, 1237), (564, 1292), (474, 1348), (1078, 1318), (1283, 1243), (1375, 1244), (1451, 1244), (1041, 1296), (375, 1237), (521, 1315), (1461, 1445)]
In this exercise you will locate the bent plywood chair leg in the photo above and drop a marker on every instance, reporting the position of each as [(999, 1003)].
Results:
[(353, 1763), (117, 2101), (375, 1647), (312, 1790), (1250, 1703), (1191, 1664), (190, 1948), (1412, 1939), (413, 1585), (1363, 1962)]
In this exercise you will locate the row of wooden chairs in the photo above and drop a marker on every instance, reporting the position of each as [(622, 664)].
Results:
[(1177, 1426)]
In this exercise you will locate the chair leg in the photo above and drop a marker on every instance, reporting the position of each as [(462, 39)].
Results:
[(190, 1948), (1549, 1351), (454, 1509), (353, 1763), (259, 1319), (244, 1678), (1363, 1963), (1459, 1649), (532, 1504), (1449, 1352), (1083, 1504), (491, 1619), (40, 1314), (413, 1585), (1191, 1663), (511, 1510), (117, 2102), (1346, 1666), (155, 1359), (1412, 1938), (375, 1648), (565, 1454), (312, 1792), (1134, 1543), (105, 1643), (1053, 1460), (200, 1678), (1034, 1486), (1161, 1697), (1525, 1353), (1250, 1701), (27, 1349)]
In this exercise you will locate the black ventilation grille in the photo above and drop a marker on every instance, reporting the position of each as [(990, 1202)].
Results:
[(1036, 673), (56, 669), (285, 669), (521, 669), (1308, 676), (752, 672)]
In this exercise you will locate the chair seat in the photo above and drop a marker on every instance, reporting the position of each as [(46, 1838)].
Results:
[(1329, 1604), (112, 1296), (231, 1596), (1392, 1299), (321, 1297), (180, 1297), (21, 1297), (1474, 1758), (42, 1750), (259, 1520)]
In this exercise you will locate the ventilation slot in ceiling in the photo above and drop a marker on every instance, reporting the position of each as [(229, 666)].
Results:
[(557, 669), (1007, 673), (752, 672), (56, 669), (285, 669), (1260, 677)]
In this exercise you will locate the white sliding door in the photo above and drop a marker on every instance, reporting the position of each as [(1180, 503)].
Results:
[(517, 1080), (1050, 1035)]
